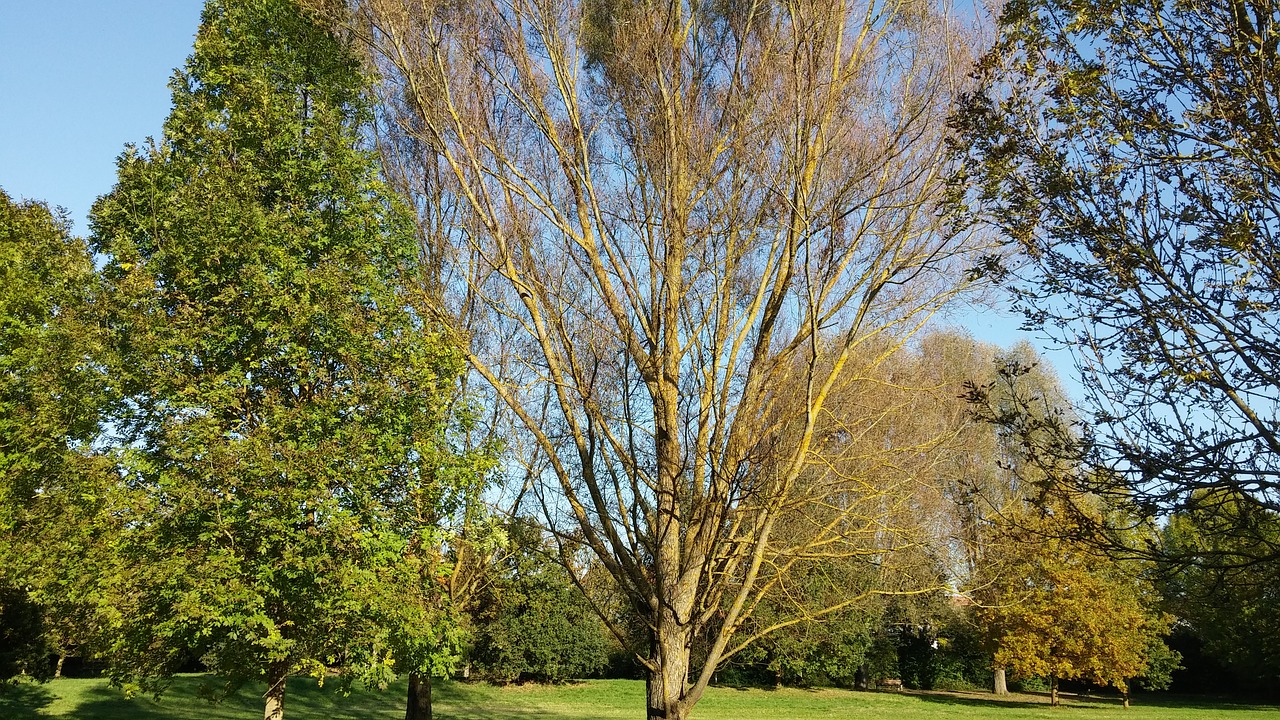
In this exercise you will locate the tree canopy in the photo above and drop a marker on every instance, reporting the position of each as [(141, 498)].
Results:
[(53, 395), (286, 459), (1128, 151)]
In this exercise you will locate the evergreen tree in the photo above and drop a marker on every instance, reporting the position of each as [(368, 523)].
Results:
[(287, 462)]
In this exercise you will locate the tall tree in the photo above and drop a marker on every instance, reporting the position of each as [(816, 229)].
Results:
[(287, 455), (53, 392), (667, 212), (1129, 149)]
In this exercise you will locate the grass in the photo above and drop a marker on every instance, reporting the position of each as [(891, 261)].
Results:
[(596, 699)]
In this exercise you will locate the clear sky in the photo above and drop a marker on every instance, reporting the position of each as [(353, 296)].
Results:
[(81, 78), (78, 80)]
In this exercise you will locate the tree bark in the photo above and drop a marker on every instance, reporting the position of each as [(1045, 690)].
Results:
[(274, 696), (57, 669), (419, 705), (1053, 690), (1125, 692), (666, 685), (1000, 686)]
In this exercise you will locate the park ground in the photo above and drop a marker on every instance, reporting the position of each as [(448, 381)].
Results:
[(91, 699)]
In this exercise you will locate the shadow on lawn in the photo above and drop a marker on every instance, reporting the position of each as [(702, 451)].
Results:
[(304, 701), (979, 700), (23, 701), (1155, 700), (184, 701), (1207, 702)]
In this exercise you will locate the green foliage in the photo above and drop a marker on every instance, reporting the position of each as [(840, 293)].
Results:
[(24, 647), (53, 392), (287, 460), (950, 654), (49, 388), (825, 649), (1162, 663), (1233, 609), (531, 621), (826, 652)]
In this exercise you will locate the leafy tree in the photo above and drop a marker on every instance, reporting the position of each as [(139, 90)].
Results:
[(981, 469), (53, 391), (1233, 610), (531, 621), (829, 649), (1128, 150), (287, 454), (1064, 612)]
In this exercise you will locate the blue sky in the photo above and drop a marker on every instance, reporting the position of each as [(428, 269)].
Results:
[(81, 78), (78, 80)]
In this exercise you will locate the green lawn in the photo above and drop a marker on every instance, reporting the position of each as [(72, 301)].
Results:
[(93, 700)]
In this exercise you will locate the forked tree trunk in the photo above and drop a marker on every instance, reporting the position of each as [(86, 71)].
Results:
[(666, 685), (999, 684), (274, 697), (419, 705)]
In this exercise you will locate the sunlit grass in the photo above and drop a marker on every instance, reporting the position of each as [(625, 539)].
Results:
[(94, 700)]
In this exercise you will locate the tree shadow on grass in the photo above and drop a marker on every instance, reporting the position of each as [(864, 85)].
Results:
[(982, 700), (23, 700), (179, 702), (467, 701), (304, 700), (1156, 700), (1207, 702)]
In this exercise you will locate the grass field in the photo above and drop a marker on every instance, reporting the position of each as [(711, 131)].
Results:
[(94, 700)]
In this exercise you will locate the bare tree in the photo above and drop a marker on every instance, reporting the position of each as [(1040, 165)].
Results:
[(665, 221)]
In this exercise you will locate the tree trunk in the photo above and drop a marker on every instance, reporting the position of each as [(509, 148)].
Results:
[(666, 685), (57, 669), (419, 705), (1053, 690), (668, 682), (860, 681), (1125, 693), (276, 678), (999, 685)]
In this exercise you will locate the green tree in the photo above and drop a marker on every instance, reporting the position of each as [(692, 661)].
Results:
[(530, 620), (1234, 609), (53, 391), (287, 456), (1128, 150)]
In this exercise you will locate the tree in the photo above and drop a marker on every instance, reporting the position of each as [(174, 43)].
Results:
[(662, 213), (1066, 613), (1129, 151), (1233, 610), (286, 445), (1021, 421), (53, 392), (531, 621)]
